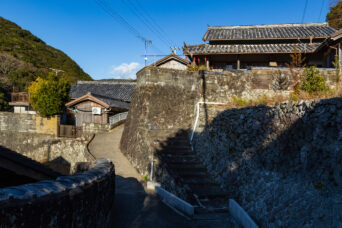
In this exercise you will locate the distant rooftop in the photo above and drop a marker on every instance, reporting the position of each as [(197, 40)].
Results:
[(275, 31), (117, 89)]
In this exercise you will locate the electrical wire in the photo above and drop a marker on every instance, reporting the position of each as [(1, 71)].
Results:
[(320, 12), (138, 13), (122, 21), (305, 7)]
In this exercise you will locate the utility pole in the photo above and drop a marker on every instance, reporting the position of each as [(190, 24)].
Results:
[(146, 43)]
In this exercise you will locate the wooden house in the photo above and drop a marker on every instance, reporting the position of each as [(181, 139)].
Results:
[(238, 47), (172, 61), (96, 101)]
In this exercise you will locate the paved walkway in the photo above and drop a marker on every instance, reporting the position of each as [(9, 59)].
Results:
[(133, 206)]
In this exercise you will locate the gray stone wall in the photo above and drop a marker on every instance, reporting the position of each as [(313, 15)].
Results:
[(282, 163), (17, 122), (89, 129), (62, 154), (165, 100), (82, 200)]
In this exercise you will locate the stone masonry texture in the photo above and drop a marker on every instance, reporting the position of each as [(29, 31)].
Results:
[(282, 164), (82, 200)]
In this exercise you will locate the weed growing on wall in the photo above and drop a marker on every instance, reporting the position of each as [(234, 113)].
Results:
[(312, 82), (337, 66)]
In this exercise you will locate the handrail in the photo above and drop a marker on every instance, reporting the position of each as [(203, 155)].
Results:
[(197, 115), (117, 118)]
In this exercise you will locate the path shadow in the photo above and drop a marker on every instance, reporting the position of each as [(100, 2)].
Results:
[(134, 207)]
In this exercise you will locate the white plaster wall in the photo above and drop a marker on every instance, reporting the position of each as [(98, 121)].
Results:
[(173, 64)]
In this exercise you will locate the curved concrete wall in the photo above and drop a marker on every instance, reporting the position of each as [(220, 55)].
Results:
[(81, 200)]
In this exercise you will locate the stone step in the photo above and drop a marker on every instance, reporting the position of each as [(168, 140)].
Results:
[(198, 181), (185, 174), (175, 152), (180, 169), (207, 191)]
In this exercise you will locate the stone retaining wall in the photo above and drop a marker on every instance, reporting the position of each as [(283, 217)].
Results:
[(282, 164), (82, 200), (62, 154), (165, 101), (29, 123)]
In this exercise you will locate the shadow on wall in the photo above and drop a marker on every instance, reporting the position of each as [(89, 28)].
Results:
[(282, 164), (135, 208), (59, 164)]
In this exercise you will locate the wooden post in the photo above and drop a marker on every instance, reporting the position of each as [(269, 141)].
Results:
[(208, 65), (238, 63)]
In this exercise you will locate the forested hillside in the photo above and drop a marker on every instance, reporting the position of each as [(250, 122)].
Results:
[(24, 57)]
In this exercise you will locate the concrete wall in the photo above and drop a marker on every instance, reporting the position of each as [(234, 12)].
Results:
[(282, 164), (29, 123), (82, 200)]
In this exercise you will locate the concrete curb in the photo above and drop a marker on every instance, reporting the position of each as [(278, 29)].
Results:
[(175, 202), (241, 215)]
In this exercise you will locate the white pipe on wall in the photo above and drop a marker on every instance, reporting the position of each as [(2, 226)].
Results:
[(197, 115)]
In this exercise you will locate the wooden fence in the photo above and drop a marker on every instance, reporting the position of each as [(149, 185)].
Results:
[(70, 131)]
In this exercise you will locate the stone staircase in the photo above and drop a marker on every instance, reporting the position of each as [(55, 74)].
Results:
[(189, 172)]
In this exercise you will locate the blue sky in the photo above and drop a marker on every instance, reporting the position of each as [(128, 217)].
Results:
[(105, 48)]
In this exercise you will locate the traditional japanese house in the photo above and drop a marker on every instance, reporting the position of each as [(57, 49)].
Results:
[(172, 61), (96, 101), (235, 47)]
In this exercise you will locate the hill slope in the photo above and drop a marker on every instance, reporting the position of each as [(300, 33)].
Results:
[(23, 57)]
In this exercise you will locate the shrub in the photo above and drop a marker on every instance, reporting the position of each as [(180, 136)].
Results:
[(239, 101), (337, 66), (192, 67), (48, 96), (312, 82)]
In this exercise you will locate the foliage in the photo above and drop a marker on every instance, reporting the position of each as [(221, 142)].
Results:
[(48, 96), (334, 17), (337, 66), (280, 82), (22, 78), (239, 101), (294, 97), (192, 67), (296, 65), (313, 82), (3, 102), (24, 47)]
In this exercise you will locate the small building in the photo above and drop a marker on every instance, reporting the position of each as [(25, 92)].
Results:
[(172, 61), (96, 101), (21, 103), (235, 47)]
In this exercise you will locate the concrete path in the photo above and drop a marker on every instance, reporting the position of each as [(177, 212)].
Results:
[(133, 206)]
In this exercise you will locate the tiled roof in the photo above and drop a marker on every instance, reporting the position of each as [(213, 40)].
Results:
[(121, 90), (249, 48), (171, 57), (261, 32)]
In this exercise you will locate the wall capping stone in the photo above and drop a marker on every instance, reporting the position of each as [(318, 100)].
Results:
[(91, 192)]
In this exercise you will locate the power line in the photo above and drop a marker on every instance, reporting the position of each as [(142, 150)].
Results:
[(320, 12), (121, 20), (153, 21), (135, 10), (306, 5)]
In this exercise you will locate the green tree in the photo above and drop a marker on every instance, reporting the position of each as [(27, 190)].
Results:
[(3, 102), (48, 96), (313, 82), (334, 17)]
